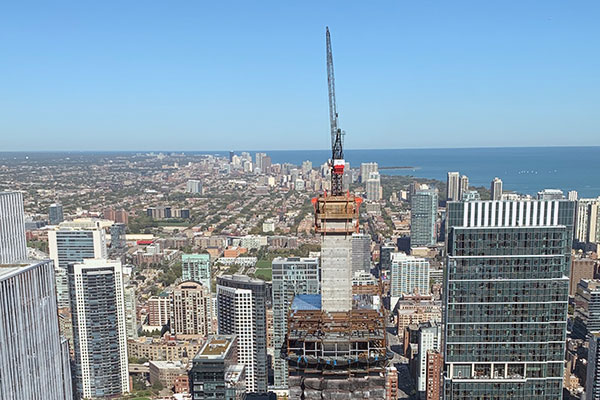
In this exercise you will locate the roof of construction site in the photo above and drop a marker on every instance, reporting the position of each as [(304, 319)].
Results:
[(309, 302)]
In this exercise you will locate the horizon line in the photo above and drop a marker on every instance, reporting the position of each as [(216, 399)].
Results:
[(278, 150)]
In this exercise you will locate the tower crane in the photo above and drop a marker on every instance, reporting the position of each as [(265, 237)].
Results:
[(337, 157)]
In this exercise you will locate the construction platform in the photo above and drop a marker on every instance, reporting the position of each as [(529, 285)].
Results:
[(336, 214), (336, 355)]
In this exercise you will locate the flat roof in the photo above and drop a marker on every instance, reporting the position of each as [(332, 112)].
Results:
[(216, 347), (14, 268), (310, 302)]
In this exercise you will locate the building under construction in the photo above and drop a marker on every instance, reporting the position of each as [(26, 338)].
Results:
[(336, 341)]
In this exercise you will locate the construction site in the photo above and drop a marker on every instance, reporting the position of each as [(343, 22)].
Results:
[(336, 341)]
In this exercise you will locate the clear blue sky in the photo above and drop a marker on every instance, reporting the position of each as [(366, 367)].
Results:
[(194, 75)]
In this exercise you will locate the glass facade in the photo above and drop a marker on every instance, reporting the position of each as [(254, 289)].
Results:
[(291, 276), (422, 218), (506, 298)]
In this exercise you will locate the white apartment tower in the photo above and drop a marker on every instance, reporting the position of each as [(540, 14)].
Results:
[(13, 245), (73, 245), (99, 328)]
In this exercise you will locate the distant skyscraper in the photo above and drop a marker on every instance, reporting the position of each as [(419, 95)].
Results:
[(385, 256), (373, 185), (13, 245), (241, 310), (231, 154), (191, 309), (496, 189), (73, 245), (361, 252), (423, 217), (259, 160), (507, 297), (194, 186), (55, 214), (306, 167), (453, 186), (33, 361), (118, 238), (366, 169), (550, 194), (587, 221), (409, 275), (291, 276), (573, 196), (99, 329), (216, 372), (587, 308), (464, 186), (196, 267), (130, 312), (592, 381)]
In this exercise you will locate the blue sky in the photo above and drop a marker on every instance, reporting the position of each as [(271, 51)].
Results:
[(193, 75)]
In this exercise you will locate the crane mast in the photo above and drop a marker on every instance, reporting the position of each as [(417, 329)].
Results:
[(337, 153)]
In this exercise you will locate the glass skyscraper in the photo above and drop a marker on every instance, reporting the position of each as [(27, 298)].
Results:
[(506, 298), (291, 276), (423, 213), (99, 329), (196, 267)]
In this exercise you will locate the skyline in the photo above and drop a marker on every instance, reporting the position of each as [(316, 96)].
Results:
[(110, 77)]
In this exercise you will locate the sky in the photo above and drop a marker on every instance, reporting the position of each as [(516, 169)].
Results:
[(220, 75)]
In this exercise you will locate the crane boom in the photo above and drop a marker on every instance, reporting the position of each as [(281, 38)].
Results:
[(337, 152)]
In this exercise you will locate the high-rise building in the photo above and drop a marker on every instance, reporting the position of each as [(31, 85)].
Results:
[(385, 256), (496, 189), (13, 246), (550, 194), (587, 221), (464, 186), (361, 252), (506, 299), (131, 326), (241, 311), (572, 195), (592, 381), (118, 239), (194, 186), (423, 215), (231, 155), (291, 276), (587, 308), (435, 366), (99, 329), (73, 245), (158, 310), (33, 360), (216, 372), (190, 309), (366, 169), (409, 275), (453, 187), (196, 267), (391, 383), (55, 214), (373, 185), (429, 338), (259, 161)]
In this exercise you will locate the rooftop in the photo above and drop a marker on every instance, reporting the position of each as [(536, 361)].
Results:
[(309, 302), (216, 347), (8, 270)]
